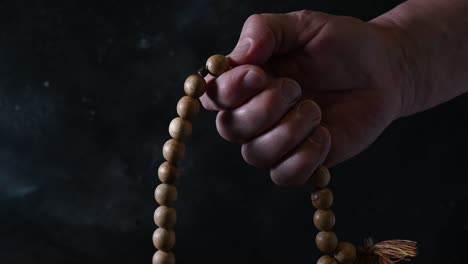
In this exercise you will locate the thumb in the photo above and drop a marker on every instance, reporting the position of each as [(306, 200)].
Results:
[(266, 35)]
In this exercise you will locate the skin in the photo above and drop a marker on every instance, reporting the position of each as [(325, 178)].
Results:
[(309, 88)]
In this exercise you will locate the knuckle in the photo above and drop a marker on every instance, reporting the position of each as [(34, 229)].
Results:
[(290, 131), (258, 27), (304, 14), (286, 178), (287, 175), (253, 155), (327, 34), (332, 30), (316, 111), (306, 17), (226, 128), (226, 91), (290, 89), (222, 125), (254, 24), (254, 19), (228, 85), (280, 178), (324, 39), (248, 154)]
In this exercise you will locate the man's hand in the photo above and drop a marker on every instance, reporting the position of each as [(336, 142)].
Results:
[(308, 88)]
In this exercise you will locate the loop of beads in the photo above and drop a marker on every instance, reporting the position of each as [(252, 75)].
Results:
[(173, 151)]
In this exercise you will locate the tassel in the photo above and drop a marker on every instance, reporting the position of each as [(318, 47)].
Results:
[(387, 252), (393, 251)]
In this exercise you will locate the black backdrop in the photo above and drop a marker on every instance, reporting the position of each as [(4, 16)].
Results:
[(87, 90)]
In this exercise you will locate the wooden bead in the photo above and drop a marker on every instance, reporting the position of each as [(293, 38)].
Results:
[(325, 259), (326, 241), (188, 107), (217, 64), (165, 217), (324, 220), (195, 85), (164, 239), (168, 173), (321, 177), (173, 151), (163, 257), (322, 199), (165, 194), (345, 253), (180, 129)]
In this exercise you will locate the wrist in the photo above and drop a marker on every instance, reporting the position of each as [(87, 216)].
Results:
[(405, 67), (431, 36)]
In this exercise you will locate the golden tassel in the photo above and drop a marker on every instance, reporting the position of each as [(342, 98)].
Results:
[(393, 251), (386, 252)]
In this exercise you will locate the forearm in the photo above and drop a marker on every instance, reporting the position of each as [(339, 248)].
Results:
[(433, 35)]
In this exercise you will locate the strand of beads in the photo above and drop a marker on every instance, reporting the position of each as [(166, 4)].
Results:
[(173, 152), (324, 221)]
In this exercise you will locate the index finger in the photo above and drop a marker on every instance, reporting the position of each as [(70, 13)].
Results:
[(234, 87)]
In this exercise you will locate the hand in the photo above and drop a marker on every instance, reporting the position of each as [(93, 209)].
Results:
[(307, 88)]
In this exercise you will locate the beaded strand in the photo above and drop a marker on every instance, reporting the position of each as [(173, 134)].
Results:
[(165, 216), (324, 220), (180, 129)]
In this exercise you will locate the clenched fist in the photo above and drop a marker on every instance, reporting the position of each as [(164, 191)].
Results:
[(306, 89)]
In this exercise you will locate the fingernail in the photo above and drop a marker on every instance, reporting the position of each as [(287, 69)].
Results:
[(319, 136), (253, 79), (241, 50), (307, 107), (290, 90)]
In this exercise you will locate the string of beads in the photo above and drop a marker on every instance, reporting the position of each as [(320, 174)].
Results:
[(165, 216), (173, 151), (324, 220)]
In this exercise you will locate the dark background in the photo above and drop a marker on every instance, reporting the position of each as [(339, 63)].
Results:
[(87, 90)]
